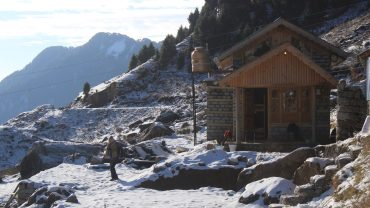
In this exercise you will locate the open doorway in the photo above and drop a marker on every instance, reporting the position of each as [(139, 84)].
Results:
[(256, 114)]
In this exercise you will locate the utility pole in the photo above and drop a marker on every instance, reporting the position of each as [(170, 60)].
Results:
[(191, 48)]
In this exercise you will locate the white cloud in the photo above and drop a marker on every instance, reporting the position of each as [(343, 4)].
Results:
[(75, 21)]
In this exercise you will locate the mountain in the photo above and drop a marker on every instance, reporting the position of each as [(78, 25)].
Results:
[(57, 74)]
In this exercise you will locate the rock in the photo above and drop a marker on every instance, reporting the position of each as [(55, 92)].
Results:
[(52, 198), (249, 199), (181, 149), (306, 190), (30, 165), (312, 166), (159, 168), (330, 171), (232, 161), (72, 199), (210, 147), (320, 183), (267, 189), (144, 126), (293, 200), (156, 129), (283, 167), (131, 137), (167, 116), (343, 159), (135, 124)]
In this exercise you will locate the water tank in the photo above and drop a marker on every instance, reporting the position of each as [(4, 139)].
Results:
[(200, 60)]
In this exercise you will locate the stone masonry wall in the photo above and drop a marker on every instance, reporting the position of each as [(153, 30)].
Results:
[(219, 111), (352, 110), (322, 115)]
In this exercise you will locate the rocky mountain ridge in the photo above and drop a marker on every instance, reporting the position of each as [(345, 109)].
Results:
[(57, 74)]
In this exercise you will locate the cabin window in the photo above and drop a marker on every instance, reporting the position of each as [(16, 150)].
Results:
[(290, 101)]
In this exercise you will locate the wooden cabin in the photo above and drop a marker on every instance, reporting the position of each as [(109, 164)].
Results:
[(275, 87)]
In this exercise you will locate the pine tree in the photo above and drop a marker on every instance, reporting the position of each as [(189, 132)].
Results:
[(86, 89), (182, 32), (192, 19), (151, 50), (133, 62), (143, 55), (168, 50)]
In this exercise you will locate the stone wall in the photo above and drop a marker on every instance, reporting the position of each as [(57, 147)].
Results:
[(352, 110), (219, 111), (322, 115)]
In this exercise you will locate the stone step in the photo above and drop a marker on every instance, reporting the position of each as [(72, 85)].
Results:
[(343, 159), (293, 200), (330, 171), (306, 189)]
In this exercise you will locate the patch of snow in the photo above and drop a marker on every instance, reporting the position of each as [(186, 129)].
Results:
[(116, 48), (319, 160)]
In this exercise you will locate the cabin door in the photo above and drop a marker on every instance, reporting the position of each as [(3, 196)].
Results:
[(256, 114)]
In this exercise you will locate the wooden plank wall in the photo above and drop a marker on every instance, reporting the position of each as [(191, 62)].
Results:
[(282, 69)]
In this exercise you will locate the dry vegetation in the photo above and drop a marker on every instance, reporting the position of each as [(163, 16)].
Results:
[(352, 191)]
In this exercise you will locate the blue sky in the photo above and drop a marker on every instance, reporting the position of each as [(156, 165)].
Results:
[(29, 26)]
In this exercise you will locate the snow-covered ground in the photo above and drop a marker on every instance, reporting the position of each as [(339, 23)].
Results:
[(93, 188)]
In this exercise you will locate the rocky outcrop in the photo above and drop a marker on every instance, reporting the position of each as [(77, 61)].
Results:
[(44, 155), (156, 129), (167, 116), (283, 167), (103, 97)]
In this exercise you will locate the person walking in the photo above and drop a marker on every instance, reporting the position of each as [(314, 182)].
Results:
[(113, 152)]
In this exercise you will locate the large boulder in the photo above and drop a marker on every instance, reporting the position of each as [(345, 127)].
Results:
[(156, 129), (167, 116), (266, 191), (283, 167)]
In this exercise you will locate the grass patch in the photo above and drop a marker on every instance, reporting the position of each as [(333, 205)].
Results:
[(349, 193)]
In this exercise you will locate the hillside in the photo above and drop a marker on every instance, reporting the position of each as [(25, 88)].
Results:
[(57, 74)]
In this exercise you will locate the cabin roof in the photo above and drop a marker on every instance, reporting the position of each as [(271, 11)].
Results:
[(275, 24), (284, 47)]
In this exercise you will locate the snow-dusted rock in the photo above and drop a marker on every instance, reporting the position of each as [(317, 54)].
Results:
[(343, 159), (266, 191), (283, 167), (157, 129), (167, 116), (312, 166)]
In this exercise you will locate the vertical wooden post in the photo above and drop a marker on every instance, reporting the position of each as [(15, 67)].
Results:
[(313, 114), (238, 95), (194, 110)]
